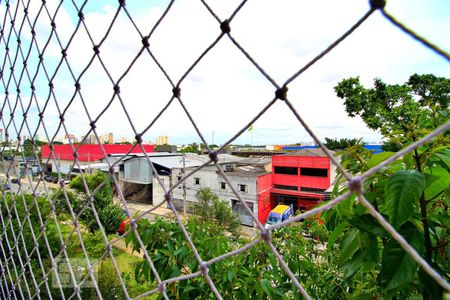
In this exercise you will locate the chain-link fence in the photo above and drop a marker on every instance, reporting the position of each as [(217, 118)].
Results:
[(35, 53)]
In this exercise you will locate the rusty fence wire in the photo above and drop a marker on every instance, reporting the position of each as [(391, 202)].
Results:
[(26, 71)]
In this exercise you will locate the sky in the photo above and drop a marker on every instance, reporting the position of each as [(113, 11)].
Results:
[(224, 91)]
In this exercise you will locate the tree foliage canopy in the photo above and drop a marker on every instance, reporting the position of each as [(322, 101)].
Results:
[(404, 110)]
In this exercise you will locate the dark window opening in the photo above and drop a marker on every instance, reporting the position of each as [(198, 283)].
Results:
[(197, 181), (285, 187), (242, 187), (314, 172), (179, 178), (309, 199), (223, 185), (286, 170), (313, 190)]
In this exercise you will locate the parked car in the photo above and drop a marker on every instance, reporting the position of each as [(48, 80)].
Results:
[(279, 214), (5, 187), (49, 178), (15, 180)]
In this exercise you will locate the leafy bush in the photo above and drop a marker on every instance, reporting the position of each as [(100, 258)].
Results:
[(211, 207), (111, 216), (94, 244)]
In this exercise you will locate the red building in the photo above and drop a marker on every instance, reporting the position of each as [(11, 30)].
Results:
[(90, 152), (63, 155), (299, 178)]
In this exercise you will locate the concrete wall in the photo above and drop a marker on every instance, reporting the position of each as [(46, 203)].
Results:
[(158, 192), (137, 170), (209, 178)]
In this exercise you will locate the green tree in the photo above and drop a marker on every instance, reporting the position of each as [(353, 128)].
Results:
[(192, 148), (340, 144), (412, 192), (211, 207), (401, 111)]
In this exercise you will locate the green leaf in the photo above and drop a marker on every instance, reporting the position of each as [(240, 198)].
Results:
[(350, 243), (378, 158), (345, 208), (437, 180), (352, 265), (402, 191), (336, 233), (368, 224), (397, 267), (267, 287), (230, 275), (444, 155)]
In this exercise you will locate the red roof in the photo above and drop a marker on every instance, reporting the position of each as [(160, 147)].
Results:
[(91, 152)]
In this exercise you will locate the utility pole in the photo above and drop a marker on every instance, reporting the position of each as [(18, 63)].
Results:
[(184, 185)]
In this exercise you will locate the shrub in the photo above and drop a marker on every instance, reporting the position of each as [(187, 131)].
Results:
[(210, 206), (94, 244), (111, 216)]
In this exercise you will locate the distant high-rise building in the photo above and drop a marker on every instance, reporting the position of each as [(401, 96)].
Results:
[(162, 140), (110, 138), (123, 140), (69, 138)]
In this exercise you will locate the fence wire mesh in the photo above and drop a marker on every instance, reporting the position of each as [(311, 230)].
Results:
[(28, 73)]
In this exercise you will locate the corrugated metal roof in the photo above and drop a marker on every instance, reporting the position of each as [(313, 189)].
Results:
[(247, 171), (255, 161), (175, 160), (308, 152)]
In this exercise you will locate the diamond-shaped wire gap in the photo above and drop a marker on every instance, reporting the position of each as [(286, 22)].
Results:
[(177, 31), (237, 86), (117, 50), (144, 92), (297, 37)]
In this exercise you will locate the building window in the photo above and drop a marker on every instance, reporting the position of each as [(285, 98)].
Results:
[(223, 185), (179, 178), (310, 189), (286, 170), (314, 172), (285, 187), (242, 187), (196, 181)]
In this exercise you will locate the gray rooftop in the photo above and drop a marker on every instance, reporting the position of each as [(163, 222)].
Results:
[(247, 171), (178, 160), (309, 152)]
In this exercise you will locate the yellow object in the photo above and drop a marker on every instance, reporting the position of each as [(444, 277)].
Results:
[(280, 209)]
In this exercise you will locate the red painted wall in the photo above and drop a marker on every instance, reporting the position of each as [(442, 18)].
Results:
[(301, 181), (91, 152), (301, 162), (264, 205)]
